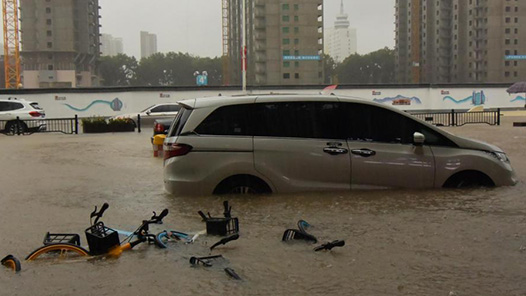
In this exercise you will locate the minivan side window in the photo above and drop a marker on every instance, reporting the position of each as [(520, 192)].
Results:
[(179, 122), (321, 120), (231, 120), (371, 123)]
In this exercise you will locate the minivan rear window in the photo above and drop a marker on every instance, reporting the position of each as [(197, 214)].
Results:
[(179, 122)]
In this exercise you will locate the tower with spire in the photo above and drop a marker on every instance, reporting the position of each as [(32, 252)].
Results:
[(340, 40)]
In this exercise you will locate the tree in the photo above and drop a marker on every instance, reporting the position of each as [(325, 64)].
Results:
[(329, 68), (177, 69), (374, 67), (119, 70)]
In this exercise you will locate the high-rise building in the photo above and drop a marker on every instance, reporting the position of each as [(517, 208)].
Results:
[(110, 46), (148, 44), (460, 41), (60, 43), (284, 42), (340, 40)]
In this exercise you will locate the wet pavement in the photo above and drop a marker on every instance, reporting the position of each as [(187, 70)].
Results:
[(398, 242)]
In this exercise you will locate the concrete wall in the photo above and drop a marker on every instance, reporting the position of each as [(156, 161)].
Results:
[(109, 102)]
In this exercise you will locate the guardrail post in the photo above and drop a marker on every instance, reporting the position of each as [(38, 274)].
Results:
[(452, 117), (498, 116), (138, 123), (76, 124)]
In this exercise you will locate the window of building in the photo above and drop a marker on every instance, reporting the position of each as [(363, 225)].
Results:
[(49, 44), (506, 74), (286, 64), (507, 41), (296, 6), (507, 63), (285, 18), (296, 64), (48, 9), (285, 30), (286, 75), (286, 52), (285, 7), (296, 18), (49, 33), (296, 52), (50, 67), (296, 41), (297, 75), (507, 20), (48, 21), (296, 30), (286, 41), (507, 30)]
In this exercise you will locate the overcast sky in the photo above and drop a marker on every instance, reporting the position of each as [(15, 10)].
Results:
[(194, 26)]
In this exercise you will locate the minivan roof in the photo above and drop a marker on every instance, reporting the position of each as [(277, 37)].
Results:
[(216, 101)]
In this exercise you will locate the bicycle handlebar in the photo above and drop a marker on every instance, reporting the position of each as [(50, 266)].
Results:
[(99, 214), (158, 219)]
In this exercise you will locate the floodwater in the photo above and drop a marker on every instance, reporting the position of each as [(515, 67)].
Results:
[(398, 242)]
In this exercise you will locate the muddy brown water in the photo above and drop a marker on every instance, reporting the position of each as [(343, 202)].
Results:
[(398, 242)]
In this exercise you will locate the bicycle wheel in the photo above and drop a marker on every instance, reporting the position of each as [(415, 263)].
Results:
[(162, 239), (12, 262), (58, 251)]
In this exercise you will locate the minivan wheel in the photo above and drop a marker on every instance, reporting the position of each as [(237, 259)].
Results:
[(242, 184), (469, 179)]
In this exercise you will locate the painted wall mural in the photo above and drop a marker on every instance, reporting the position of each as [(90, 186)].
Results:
[(518, 99), (115, 105), (399, 100), (476, 99)]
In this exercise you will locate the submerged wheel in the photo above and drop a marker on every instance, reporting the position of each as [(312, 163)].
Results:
[(242, 184), (13, 128), (162, 239), (58, 251), (12, 262), (469, 179)]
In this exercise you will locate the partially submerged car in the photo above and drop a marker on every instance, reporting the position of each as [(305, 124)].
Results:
[(293, 143), (21, 116)]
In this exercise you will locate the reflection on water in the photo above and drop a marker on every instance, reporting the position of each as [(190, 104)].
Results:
[(407, 242)]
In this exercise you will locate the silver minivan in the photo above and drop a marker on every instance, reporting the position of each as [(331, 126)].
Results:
[(294, 143)]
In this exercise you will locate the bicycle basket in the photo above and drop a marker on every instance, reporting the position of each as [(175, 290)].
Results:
[(101, 238), (222, 226)]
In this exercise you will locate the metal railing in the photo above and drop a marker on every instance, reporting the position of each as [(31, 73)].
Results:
[(48, 125), (459, 118)]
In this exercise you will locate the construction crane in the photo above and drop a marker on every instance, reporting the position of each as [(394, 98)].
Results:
[(11, 44)]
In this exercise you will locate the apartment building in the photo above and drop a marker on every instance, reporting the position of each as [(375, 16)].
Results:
[(284, 42), (148, 44), (460, 41), (60, 43)]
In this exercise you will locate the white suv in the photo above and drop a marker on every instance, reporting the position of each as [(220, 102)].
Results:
[(277, 143), (30, 116)]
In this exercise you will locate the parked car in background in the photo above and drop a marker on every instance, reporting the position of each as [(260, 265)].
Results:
[(150, 114), (29, 115), (294, 143)]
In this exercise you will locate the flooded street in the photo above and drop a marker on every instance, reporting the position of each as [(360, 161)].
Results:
[(398, 242)]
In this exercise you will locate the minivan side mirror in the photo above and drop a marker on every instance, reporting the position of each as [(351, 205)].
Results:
[(418, 139)]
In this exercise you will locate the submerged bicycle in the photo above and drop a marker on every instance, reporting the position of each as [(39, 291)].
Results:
[(102, 240)]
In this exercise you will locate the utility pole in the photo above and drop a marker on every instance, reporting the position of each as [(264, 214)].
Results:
[(244, 46)]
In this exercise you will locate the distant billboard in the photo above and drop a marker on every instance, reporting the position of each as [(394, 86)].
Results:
[(302, 58), (515, 57)]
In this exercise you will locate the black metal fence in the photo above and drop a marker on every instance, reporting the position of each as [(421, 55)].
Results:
[(48, 125), (459, 118)]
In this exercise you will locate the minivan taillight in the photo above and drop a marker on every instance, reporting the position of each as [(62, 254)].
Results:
[(35, 114), (174, 149)]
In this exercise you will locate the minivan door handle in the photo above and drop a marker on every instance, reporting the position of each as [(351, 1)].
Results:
[(363, 152), (335, 150)]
